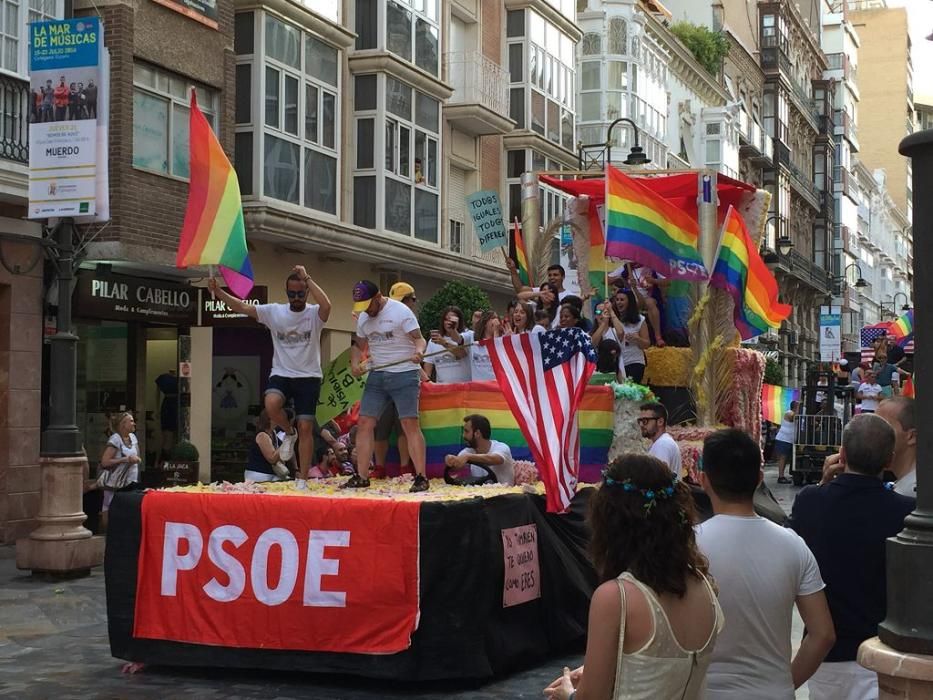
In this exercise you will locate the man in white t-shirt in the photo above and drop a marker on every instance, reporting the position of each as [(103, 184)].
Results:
[(296, 374), (390, 331), (481, 454), (653, 424), (869, 393), (762, 571)]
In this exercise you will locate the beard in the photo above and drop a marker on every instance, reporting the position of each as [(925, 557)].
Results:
[(297, 304)]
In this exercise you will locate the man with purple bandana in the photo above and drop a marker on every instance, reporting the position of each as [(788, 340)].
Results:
[(390, 331)]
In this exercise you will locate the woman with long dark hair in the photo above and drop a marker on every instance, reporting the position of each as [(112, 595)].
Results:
[(620, 321), (654, 620), (451, 335), (488, 326), (547, 298), (522, 316)]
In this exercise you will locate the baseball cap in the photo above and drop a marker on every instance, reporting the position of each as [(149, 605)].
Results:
[(400, 290), (363, 293)]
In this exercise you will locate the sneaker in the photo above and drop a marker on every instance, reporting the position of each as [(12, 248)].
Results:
[(355, 482), (421, 484), (301, 484), (287, 448)]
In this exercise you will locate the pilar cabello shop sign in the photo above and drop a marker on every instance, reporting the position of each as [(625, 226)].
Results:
[(124, 298)]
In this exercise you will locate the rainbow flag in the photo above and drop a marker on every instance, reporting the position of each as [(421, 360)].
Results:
[(444, 406), (599, 265), (213, 232), (521, 254), (644, 227), (903, 329), (775, 401), (740, 271)]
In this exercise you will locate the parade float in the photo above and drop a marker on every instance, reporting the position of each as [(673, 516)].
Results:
[(457, 582)]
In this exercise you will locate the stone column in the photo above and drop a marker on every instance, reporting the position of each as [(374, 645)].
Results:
[(61, 544), (902, 654)]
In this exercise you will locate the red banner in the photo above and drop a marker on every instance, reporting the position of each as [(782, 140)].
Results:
[(278, 572)]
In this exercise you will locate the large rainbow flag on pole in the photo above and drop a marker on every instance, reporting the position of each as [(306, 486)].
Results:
[(213, 232), (775, 401), (646, 228), (903, 329), (741, 272)]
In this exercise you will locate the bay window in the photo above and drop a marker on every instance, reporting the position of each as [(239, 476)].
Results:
[(411, 30)]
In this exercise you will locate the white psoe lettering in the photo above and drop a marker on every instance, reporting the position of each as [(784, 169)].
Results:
[(188, 538)]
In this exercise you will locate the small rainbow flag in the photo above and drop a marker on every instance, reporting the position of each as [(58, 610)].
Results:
[(213, 232), (775, 401), (644, 227), (521, 254), (742, 273), (903, 329), (444, 406), (599, 266)]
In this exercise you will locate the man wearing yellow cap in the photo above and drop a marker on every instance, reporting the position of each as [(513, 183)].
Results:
[(389, 329)]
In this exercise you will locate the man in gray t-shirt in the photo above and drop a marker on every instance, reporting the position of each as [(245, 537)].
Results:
[(762, 571)]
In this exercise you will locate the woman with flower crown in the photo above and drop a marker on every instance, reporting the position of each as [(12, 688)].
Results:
[(655, 618)]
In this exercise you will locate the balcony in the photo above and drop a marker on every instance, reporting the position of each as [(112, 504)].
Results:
[(806, 271), (479, 105), (754, 143), (14, 119), (845, 126), (774, 56), (804, 185), (842, 235), (842, 181), (802, 98)]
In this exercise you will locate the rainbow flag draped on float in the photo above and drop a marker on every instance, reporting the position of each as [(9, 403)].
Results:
[(775, 401), (646, 228), (741, 272), (213, 232)]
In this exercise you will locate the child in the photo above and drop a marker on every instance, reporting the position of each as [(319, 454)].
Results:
[(542, 321)]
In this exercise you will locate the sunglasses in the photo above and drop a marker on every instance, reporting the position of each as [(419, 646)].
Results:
[(295, 294), (642, 421)]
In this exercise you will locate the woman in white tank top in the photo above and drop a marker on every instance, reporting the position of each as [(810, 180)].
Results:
[(784, 441), (655, 619)]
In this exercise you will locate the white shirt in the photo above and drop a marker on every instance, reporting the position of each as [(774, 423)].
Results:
[(387, 335), (870, 394), (480, 364), (504, 472), (787, 431), (907, 484), (760, 568), (631, 354), (123, 452), (296, 339), (451, 369), (666, 449)]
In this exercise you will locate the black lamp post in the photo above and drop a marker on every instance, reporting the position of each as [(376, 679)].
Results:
[(908, 626), (636, 154), (860, 283)]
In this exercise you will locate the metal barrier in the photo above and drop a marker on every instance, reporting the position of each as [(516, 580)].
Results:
[(819, 431)]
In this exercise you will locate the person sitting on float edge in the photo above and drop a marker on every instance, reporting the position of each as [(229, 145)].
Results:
[(490, 461)]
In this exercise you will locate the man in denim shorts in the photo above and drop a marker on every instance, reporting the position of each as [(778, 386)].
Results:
[(296, 361), (390, 330)]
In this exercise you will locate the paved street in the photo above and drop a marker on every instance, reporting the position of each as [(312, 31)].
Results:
[(53, 644)]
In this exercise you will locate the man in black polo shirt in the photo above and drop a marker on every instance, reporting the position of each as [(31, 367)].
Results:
[(846, 523)]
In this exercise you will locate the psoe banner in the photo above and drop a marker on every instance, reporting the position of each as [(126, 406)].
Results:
[(65, 79), (278, 572)]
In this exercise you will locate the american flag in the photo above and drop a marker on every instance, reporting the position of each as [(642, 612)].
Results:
[(543, 376), (871, 333)]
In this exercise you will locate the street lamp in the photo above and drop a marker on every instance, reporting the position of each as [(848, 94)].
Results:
[(784, 244), (893, 304), (860, 283)]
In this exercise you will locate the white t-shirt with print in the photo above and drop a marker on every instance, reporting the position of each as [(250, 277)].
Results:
[(481, 364), (870, 394), (123, 452), (387, 335), (760, 569), (451, 369), (504, 472), (296, 339), (666, 449)]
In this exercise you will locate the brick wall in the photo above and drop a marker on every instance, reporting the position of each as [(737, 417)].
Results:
[(492, 17)]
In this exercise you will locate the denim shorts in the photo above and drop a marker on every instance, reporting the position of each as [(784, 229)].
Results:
[(400, 388), (304, 391)]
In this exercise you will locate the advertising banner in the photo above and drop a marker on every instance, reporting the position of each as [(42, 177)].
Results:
[(254, 572), (65, 78), (830, 337), (203, 11), (486, 212)]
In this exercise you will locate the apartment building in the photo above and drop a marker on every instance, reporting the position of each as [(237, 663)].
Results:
[(885, 83)]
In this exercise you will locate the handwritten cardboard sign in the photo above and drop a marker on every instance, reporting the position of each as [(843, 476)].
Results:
[(486, 212), (522, 581)]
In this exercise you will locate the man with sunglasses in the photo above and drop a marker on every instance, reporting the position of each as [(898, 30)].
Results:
[(653, 424), (296, 361)]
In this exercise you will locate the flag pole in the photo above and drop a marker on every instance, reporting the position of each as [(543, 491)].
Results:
[(408, 359), (210, 273)]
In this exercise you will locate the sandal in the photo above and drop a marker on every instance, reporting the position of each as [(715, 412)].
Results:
[(355, 482)]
